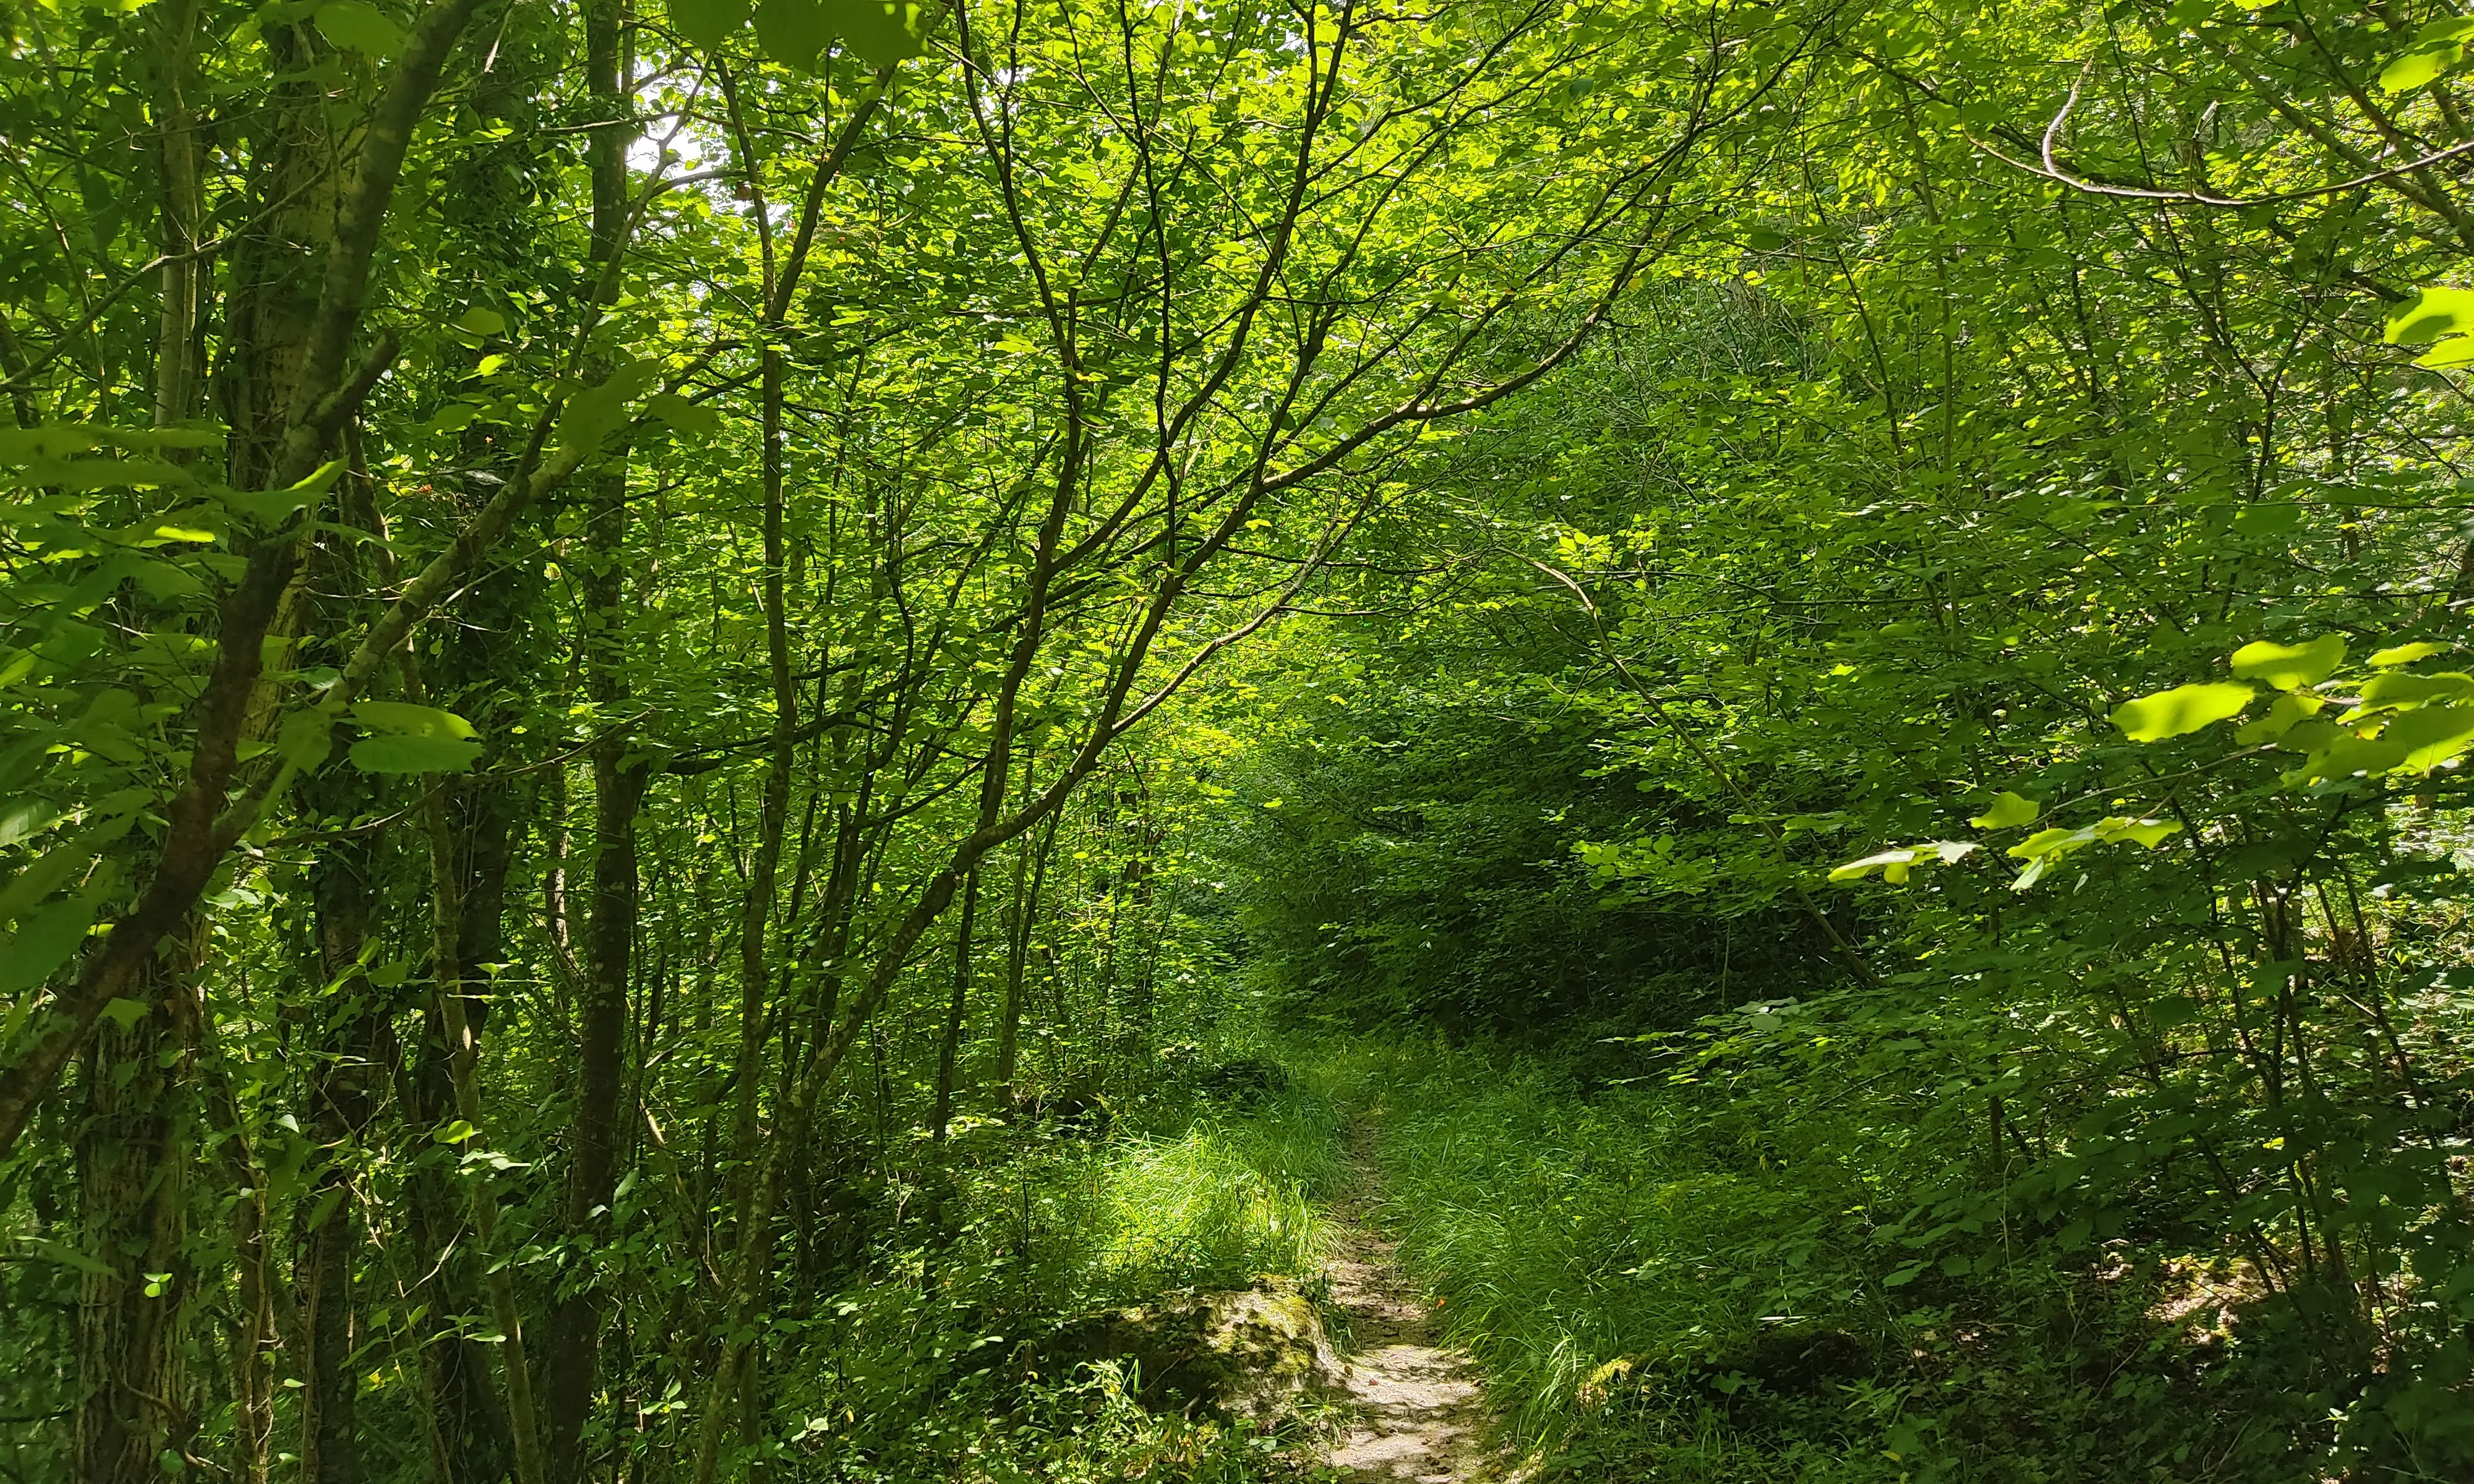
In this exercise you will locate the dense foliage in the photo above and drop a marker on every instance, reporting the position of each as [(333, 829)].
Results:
[(683, 686)]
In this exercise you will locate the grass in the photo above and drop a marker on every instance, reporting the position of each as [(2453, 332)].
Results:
[(928, 1366), (1709, 1284), (1702, 1285), (1231, 1196)]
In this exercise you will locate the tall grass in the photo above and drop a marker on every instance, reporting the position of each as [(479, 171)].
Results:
[(1232, 1196), (928, 1366), (1578, 1243), (1638, 1268)]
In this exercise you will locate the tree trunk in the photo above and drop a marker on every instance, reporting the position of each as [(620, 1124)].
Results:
[(949, 1050), (572, 1360), (133, 1156), (1032, 859)]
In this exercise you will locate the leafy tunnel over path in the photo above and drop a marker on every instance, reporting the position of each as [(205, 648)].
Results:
[(713, 710)]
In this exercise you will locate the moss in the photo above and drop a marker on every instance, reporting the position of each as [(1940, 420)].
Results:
[(1245, 1353)]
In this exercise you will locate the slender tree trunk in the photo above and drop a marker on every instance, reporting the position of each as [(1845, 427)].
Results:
[(343, 1101), (949, 1050), (254, 1331), (570, 1363), (1031, 856)]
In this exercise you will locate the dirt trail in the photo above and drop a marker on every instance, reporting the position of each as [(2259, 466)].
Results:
[(1419, 1415)]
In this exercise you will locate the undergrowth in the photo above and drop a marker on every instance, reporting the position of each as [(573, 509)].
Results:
[(928, 1364), (1725, 1283)]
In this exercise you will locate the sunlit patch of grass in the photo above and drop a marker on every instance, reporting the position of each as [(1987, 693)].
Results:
[(1232, 1195), (932, 1368)]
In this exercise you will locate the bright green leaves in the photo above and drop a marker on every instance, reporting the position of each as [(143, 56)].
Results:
[(479, 323), (2290, 666), (2397, 689), (272, 508), (881, 33), (795, 33), (2185, 708), (708, 23), (304, 740), (2404, 654), (2440, 314), (2429, 736), (2008, 811), (358, 26), (596, 412), (1895, 865), (2283, 714), (2437, 48), (400, 738), (2046, 848), (2400, 721), (694, 419), (2040, 851)]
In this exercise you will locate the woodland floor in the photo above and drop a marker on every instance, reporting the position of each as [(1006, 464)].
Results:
[(1417, 1412)]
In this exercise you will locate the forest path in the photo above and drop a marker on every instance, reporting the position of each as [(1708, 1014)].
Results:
[(1418, 1412)]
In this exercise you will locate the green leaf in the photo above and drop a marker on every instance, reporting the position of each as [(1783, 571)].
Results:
[(67, 1257), (2048, 842), (1895, 865), (2404, 654), (22, 819), (2349, 754), (409, 720), (54, 869), (692, 419), (708, 23), (2268, 520), (2397, 688), (2435, 312), (2437, 47), (2185, 708), (45, 939), (2449, 354), (2431, 735), (2008, 811), (793, 33), (125, 1013), (305, 739), (272, 508), (881, 33), (2308, 736), (1897, 861), (400, 754), (2151, 833), (477, 320), (2290, 666), (412, 738), (49, 440), (597, 412), (359, 26), (2283, 713)]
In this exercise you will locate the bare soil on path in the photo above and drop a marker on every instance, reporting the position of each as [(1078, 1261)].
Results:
[(1417, 1411)]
